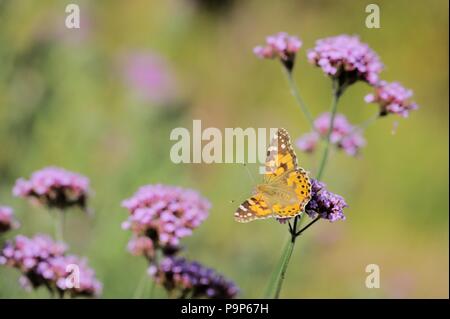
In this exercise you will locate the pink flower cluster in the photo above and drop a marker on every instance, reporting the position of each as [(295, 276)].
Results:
[(280, 45), (44, 262), (163, 214), (141, 246), (392, 98), (54, 187), (345, 56), (344, 135), (7, 221)]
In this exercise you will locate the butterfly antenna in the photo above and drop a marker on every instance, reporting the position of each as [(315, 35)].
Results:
[(249, 173)]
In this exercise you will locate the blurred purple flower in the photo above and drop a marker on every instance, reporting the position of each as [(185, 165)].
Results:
[(192, 280), (7, 221), (352, 143), (165, 214), (393, 98), (87, 286), (55, 188), (282, 46), (43, 263), (341, 126), (347, 59), (324, 203), (149, 76), (141, 246), (308, 142), (345, 136)]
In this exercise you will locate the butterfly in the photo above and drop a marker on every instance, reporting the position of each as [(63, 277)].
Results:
[(286, 188)]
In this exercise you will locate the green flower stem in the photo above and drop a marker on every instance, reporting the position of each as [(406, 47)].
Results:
[(366, 123), (152, 289), (277, 270), (59, 219), (295, 92), (277, 278), (334, 104), (287, 257), (140, 289), (307, 226)]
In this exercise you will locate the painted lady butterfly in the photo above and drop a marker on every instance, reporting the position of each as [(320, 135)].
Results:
[(286, 188)]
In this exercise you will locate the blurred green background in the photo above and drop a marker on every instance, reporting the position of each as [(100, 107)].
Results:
[(64, 102)]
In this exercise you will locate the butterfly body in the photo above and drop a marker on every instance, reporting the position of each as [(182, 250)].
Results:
[(286, 188)]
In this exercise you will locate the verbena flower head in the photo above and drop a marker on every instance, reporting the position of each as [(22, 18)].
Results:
[(7, 221), (44, 262), (347, 59), (54, 187), (149, 76), (341, 126), (344, 135), (282, 46), (324, 203), (352, 143), (192, 280), (308, 142), (393, 98), (165, 214)]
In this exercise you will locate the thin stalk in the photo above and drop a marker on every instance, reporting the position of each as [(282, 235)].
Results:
[(366, 123), (287, 258), (277, 278), (59, 219), (334, 103), (277, 271), (152, 289), (307, 226), (295, 92), (138, 292)]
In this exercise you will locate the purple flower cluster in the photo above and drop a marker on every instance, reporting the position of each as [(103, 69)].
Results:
[(160, 216), (54, 187), (192, 280), (346, 58), (344, 135), (282, 46), (44, 262), (392, 98), (308, 142), (165, 214), (324, 203), (7, 221)]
